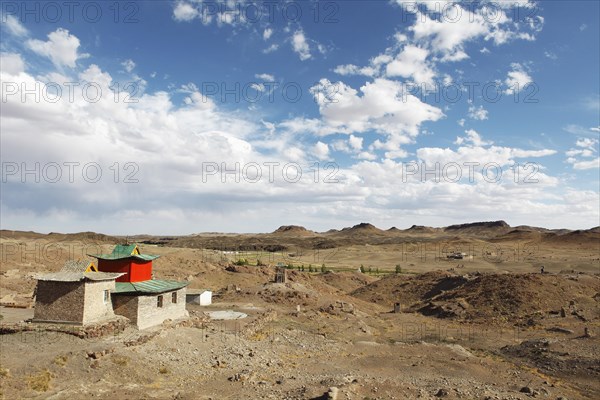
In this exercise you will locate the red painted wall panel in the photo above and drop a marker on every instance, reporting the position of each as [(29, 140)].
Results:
[(140, 271), (135, 271)]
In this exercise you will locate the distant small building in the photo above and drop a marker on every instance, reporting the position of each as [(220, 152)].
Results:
[(280, 275), (201, 297), (77, 294)]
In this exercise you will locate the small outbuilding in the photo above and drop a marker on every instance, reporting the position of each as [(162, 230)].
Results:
[(201, 297), (77, 294)]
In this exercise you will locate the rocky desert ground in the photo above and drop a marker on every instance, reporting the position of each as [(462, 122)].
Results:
[(476, 317)]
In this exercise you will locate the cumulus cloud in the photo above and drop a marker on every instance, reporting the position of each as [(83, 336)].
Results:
[(517, 79), (435, 38), (584, 155), (478, 113), (351, 69), (184, 11), (267, 33), (61, 48), (265, 77), (382, 105), (321, 150), (473, 138), (412, 63), (300, 45)]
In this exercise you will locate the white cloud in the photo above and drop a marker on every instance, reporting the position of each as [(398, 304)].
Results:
[(517, 79), (355, 142), (435, 39), (384, 106), (61, 48), (472, 137), (587, 143), (579, 157), (129, 65), (271, 48), (448, 37), (518, 153), (265, 77), (11, 63), (300, 45), (581, 131), (351, 69), (365, 155), (587, 164), (478, 113), (321, 150), (184, 11), (461, 122), (14, 26), (412, 63), (267, 33)]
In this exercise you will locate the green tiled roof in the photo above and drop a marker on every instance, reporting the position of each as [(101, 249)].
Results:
[(122, 251), (153, 286)]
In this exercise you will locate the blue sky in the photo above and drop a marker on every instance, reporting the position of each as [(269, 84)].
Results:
[(375, 92)]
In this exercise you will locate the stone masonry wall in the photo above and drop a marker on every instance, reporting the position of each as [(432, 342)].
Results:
[(149, 314), (95, 309), (59, 301), (126, 306)]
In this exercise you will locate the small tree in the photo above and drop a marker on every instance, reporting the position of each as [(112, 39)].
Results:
[(310, 268), (377, 270), (302, 267), (398, 269), (370, 270), (323, 269), (362, 268)]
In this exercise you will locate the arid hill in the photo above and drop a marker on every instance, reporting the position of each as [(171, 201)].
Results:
[(293, 230), (486, 297), (488, 229), (89, 237)]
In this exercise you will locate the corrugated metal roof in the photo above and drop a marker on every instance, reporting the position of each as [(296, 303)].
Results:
[(66, 276), (153, 286), (125, 251)]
